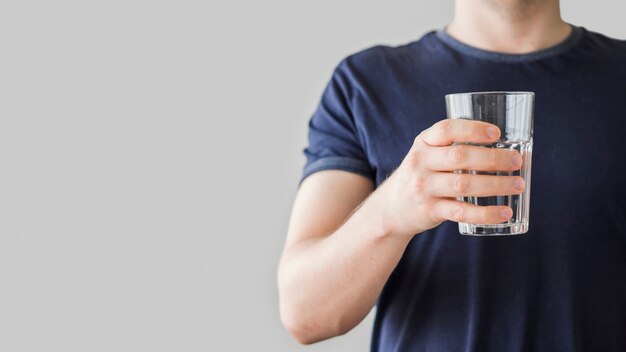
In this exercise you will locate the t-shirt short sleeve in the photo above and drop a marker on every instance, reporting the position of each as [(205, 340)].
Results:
[(333, 139)]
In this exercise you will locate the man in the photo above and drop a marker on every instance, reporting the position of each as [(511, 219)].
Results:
[(370, 224)]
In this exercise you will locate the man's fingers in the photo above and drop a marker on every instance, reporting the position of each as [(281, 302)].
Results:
[(469, 157), (460, 185), (446, 209), (448, 131)]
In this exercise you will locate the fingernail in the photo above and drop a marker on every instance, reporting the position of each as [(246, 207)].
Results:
[(492, 132), (518, 183), (516, 159), (506, 213)]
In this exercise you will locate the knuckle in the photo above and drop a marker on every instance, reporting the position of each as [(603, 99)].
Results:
[(430, 209), (444, 127), (444, 124), (493, 159), (459, 212), (414, 158), (477, 129), (457, 153), (417, 140), (495, 185), (419, 184), (461, 184), (485, 216)]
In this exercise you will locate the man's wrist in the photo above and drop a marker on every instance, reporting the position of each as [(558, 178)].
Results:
[(371, 216)]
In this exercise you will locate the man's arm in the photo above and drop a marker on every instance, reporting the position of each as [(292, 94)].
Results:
[(327, 283), (337, 259)]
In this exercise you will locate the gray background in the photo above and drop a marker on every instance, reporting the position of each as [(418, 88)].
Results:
[(149, 155)]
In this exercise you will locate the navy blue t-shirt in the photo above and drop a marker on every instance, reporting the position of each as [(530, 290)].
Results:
[(559, 287)]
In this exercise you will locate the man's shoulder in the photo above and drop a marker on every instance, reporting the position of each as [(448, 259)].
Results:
[(381, 56), (606, 42)]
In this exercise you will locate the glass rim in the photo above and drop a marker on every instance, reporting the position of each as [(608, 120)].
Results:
[(503, 92)]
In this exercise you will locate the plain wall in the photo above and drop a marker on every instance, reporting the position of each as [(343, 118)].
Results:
[(149, 155)]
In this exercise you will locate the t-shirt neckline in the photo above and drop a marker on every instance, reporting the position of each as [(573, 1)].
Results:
[(565, 44)]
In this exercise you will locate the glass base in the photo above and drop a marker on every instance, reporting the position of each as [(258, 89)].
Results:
[(493, 230)]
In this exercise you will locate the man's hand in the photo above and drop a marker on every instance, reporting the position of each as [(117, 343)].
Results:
[(422, 192)]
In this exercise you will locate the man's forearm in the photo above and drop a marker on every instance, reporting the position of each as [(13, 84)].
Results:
[(328, 285)]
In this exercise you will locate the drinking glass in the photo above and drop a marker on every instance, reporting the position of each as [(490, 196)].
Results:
[(512, 112)]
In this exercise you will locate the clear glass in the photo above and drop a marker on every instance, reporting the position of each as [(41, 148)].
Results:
[(512, 112)]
